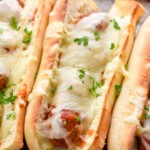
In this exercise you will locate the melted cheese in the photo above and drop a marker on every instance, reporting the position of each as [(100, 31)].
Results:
[(4, 70), (9, 38), (94, 59), (11, 45), (138, 99), (145, 127), (9, 9)]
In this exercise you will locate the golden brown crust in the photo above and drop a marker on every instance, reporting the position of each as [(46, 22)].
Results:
[(48, 57), (125, 121), (30, 128), (15, 140)]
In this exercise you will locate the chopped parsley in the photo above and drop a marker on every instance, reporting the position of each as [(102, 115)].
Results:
[(94, 87), (97, 36), (99, 84), (53, 90), (10, 85), (112, 46), (28, 36), (82, 73), (115, 24), (84, 40), (78, 119), (146, 110), (14, 24), (12, 116), (6, 100), (70, 88), (1, 30), (118, 90), (126, 66), (65, 123), (8, 116)]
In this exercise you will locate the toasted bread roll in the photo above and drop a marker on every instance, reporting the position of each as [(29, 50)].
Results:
[(128, 124), (22, 29), (85, 52)]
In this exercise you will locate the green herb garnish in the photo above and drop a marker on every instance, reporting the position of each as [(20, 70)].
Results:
[(65, 123), (82, 73), (94, 87), (84, 40), (97, 36), (99, 84), (118, 90), (14, 24), (146, 115), (10, 85), (5, 100), (28, 36), (70, 88), (146, 108), (112, 46), (126, 66), (53, 90), (115, 24), (12, 115), (78, 119)]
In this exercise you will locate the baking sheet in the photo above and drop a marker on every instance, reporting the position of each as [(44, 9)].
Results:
[(105, 6)]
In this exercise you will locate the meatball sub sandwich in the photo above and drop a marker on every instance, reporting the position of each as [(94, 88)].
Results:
[(22, 28), (85, 52), (130, 127)]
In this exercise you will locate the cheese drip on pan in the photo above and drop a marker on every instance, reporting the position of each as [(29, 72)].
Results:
[(78, 83)]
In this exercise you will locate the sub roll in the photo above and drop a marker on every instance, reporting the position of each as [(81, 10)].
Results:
[(130, 123), (22, 29), (84, 57)]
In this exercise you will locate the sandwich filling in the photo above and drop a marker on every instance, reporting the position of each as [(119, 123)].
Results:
[(87, 58)]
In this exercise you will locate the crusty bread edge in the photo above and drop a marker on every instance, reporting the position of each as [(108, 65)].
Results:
[(47, 63), (136, 11), (122, 133)]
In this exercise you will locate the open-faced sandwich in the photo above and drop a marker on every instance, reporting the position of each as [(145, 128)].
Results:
[(22, 28), (83, 62), (130, 127)]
